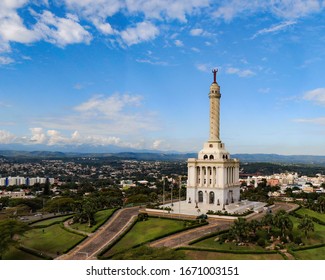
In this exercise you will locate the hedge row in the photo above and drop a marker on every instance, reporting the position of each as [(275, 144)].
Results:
[(227, 251), (48, 218), (308, 247), (301, 216), (35, 253), (72, 230), (51, 224)]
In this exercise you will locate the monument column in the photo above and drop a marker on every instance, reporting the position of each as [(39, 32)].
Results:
[(214, 96)]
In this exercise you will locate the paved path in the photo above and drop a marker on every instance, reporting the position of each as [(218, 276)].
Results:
[(183, 238), (106, 234)]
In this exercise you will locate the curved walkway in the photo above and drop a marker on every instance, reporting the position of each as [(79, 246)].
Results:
[(106, 234), (183, 238)]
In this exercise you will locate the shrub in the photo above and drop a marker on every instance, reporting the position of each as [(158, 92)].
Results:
[(298, 240), (261, 242)]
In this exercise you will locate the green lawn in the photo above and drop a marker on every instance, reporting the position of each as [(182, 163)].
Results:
[(316, 237), (205, 255), (50, 240), (145, 231), (49, 222), (310, 254), (16, 254), (100, 218), (311, 213)]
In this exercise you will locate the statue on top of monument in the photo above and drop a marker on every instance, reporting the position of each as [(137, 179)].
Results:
[(214, 71)]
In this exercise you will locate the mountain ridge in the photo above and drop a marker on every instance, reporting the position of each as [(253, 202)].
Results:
[(161, 155)]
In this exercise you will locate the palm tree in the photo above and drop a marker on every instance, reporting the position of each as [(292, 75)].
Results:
[(283, 222), (240, 229), (321, 203), (306, 224), (268, 221), (254, 225)]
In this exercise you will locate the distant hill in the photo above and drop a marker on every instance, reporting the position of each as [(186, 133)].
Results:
[(154, 155)]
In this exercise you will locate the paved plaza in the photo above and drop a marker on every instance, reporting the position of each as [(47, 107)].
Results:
[(185, 208)]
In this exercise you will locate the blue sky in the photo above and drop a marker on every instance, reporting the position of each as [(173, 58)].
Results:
[(136, 74)]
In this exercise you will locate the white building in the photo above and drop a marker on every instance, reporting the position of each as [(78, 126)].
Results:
[(213, 178)]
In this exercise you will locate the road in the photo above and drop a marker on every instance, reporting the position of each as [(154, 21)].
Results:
[(92, 245)]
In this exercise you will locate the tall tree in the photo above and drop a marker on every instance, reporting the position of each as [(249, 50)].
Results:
[(306, 225), (321, 203), (240, 229), (9, 229), (283, 222)]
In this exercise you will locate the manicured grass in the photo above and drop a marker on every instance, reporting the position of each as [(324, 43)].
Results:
[(210, 243), (310, 254), (100, 218), (315, 237), (145, 231), (204, 255), (50, 240), (311, 213), (16, 254), (49, 222)]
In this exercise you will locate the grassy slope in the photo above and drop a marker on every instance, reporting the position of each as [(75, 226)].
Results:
[(145, 231), (311, 213), (54, 239)]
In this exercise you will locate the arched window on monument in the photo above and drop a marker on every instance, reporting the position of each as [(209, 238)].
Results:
[(211, 157), (205, 157), (200, 196), (211, 197)]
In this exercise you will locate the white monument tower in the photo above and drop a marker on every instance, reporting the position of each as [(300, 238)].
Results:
[(213, 178)]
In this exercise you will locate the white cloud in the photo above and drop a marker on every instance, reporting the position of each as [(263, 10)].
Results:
[(264, 90), (96, 11), (157, 144), (6, 137), (274, 28), (48, 27), (152, 62), (199, 32), (320, 121), (196, 32), (109, 107), (143, 31), (317, 96), (203, 67), (287, 9), (172, 9), (38, 136), (178, 43), (61, 31), (12, 28), (5, 60), (240, 72), (105, 116)]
